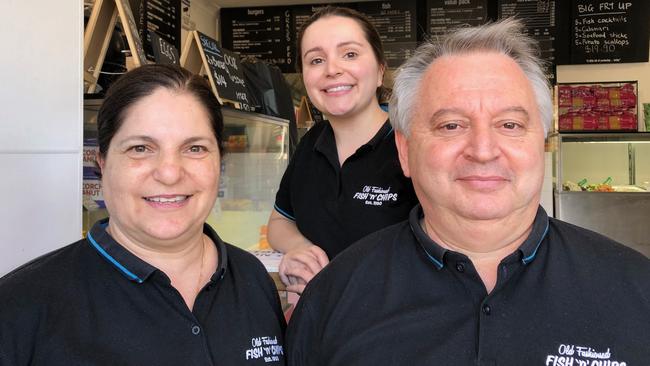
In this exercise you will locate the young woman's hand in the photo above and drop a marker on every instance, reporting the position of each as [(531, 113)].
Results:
[(300, 265)]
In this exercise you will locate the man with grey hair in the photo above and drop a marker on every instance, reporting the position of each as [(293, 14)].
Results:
[(479, 274)]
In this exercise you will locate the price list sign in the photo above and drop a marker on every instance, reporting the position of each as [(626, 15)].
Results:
[(300, 14), (225, 72), (609, 31), (264, 32), (539, 19), (443, 15), (396, 23), (164, 18), (163, 51)]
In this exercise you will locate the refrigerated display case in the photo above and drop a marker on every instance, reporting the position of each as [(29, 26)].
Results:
[(257, 152), (602, 183)]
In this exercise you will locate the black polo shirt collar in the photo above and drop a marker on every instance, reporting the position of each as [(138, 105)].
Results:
[(326, 143), (436, 253), (383, 133), (131, 266), (529, 247)]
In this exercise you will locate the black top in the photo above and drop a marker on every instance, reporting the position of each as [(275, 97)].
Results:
[(398, 298), (333, 205), (95, 303)]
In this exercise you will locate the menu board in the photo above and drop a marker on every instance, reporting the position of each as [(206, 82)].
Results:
[(163, 51), (162, 17), (226, 72), (609, 31), (396, 24), (300, 14), (443, 15), (270, 32), (262, 32), (539, 19)]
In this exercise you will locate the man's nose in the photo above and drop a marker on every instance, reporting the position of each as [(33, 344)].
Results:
[(482, 143)]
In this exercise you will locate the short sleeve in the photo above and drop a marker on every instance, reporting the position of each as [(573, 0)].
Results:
[(283, 196)]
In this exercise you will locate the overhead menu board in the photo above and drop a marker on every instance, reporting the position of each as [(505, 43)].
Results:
[(395, 22), (160, 16), (300, 14), (270, 32), (226, 72), (443, 15), (164, 18), (539, 19), (608, 31), (262, 32)]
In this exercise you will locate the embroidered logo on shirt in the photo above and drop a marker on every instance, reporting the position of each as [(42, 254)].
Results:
[(375, 196), (266, 348), (571, 355)]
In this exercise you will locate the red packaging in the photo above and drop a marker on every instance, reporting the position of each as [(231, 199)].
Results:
[(576, 122), (564, 96), (566, 123), (628, 121), (621, 121), (586, 101)]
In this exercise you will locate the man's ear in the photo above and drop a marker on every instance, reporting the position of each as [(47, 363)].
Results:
[(403, 152)]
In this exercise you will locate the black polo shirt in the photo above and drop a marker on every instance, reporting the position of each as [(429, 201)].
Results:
[(95, 303), (568, 296), (333, 205)]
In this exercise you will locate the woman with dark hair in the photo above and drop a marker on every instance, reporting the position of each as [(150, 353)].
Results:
[(153, 284), (344, 180)]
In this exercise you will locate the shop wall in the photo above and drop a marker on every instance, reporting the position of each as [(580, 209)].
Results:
[(204, 15), (40, 127), (606, 158)]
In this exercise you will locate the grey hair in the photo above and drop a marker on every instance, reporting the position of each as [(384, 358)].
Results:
[(506, 37)]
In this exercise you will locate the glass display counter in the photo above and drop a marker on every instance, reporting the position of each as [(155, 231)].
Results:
[(602, 183), (256, 156)]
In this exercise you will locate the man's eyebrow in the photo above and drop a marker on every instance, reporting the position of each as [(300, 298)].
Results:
[(516, 109), (444, 111)]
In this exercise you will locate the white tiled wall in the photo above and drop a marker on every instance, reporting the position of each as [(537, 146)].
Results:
[(40, 127), (41, 205)]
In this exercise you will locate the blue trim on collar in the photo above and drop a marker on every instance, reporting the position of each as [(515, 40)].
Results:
[(431, 258), (117, 264), (284, 213), (534, 253), (389, 132)]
